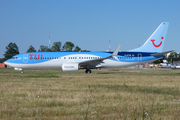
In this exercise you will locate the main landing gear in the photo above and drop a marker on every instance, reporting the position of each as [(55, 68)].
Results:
[(22, 71), (88, 71)]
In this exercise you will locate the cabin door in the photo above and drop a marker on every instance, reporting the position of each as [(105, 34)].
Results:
[(25, 58), (139, 57)]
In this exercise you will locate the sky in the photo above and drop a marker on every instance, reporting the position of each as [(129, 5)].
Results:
[(89, 24)]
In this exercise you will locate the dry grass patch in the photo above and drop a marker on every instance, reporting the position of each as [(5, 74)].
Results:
[(106, 94)]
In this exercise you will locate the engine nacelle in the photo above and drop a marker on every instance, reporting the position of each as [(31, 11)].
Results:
[(18, 69), (70, 67)]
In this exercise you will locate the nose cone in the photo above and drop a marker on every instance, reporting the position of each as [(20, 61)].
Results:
[(6, 62)]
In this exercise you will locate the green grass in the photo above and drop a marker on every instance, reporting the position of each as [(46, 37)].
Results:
[(104, 94)]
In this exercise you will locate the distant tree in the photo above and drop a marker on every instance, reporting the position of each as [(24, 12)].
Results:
[(85, 51), (11, 50), (158, 61), (173, 54), (56, 47), (68, 46), (77, 49), (1, 60), (43, 48), (48, 50), (31, 49)]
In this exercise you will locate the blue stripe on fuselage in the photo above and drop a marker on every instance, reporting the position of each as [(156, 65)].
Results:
[(40, 57)]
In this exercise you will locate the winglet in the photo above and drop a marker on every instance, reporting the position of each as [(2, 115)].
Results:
[(116, 52)]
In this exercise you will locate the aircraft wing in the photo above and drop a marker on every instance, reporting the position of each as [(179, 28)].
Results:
[(96, 62), (163, 53)]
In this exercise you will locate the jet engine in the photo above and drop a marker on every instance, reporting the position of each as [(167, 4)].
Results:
[(70, 67)]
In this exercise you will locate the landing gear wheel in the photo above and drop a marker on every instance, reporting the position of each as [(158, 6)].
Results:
[(22, 71), (88, 71)]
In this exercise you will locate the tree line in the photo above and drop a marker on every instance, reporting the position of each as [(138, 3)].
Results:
[(68, 46), (12, 49)]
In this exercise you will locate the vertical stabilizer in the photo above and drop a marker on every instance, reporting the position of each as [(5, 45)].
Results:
[(156, 41)]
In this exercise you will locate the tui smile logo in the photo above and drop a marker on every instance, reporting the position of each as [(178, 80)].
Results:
[(155, 44)]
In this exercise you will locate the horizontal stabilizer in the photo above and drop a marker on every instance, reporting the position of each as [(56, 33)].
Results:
[(163, 53)]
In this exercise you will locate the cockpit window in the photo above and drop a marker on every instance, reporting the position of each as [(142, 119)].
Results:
[(15, 57)]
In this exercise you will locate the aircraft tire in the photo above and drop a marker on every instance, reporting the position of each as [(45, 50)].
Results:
[(88, 71), (22, 71)]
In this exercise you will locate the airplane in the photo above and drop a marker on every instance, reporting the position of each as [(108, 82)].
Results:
[(175, 66), (73, 61), (165, 64)]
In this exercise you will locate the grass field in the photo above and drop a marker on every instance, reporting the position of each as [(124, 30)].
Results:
[(105, 94)]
